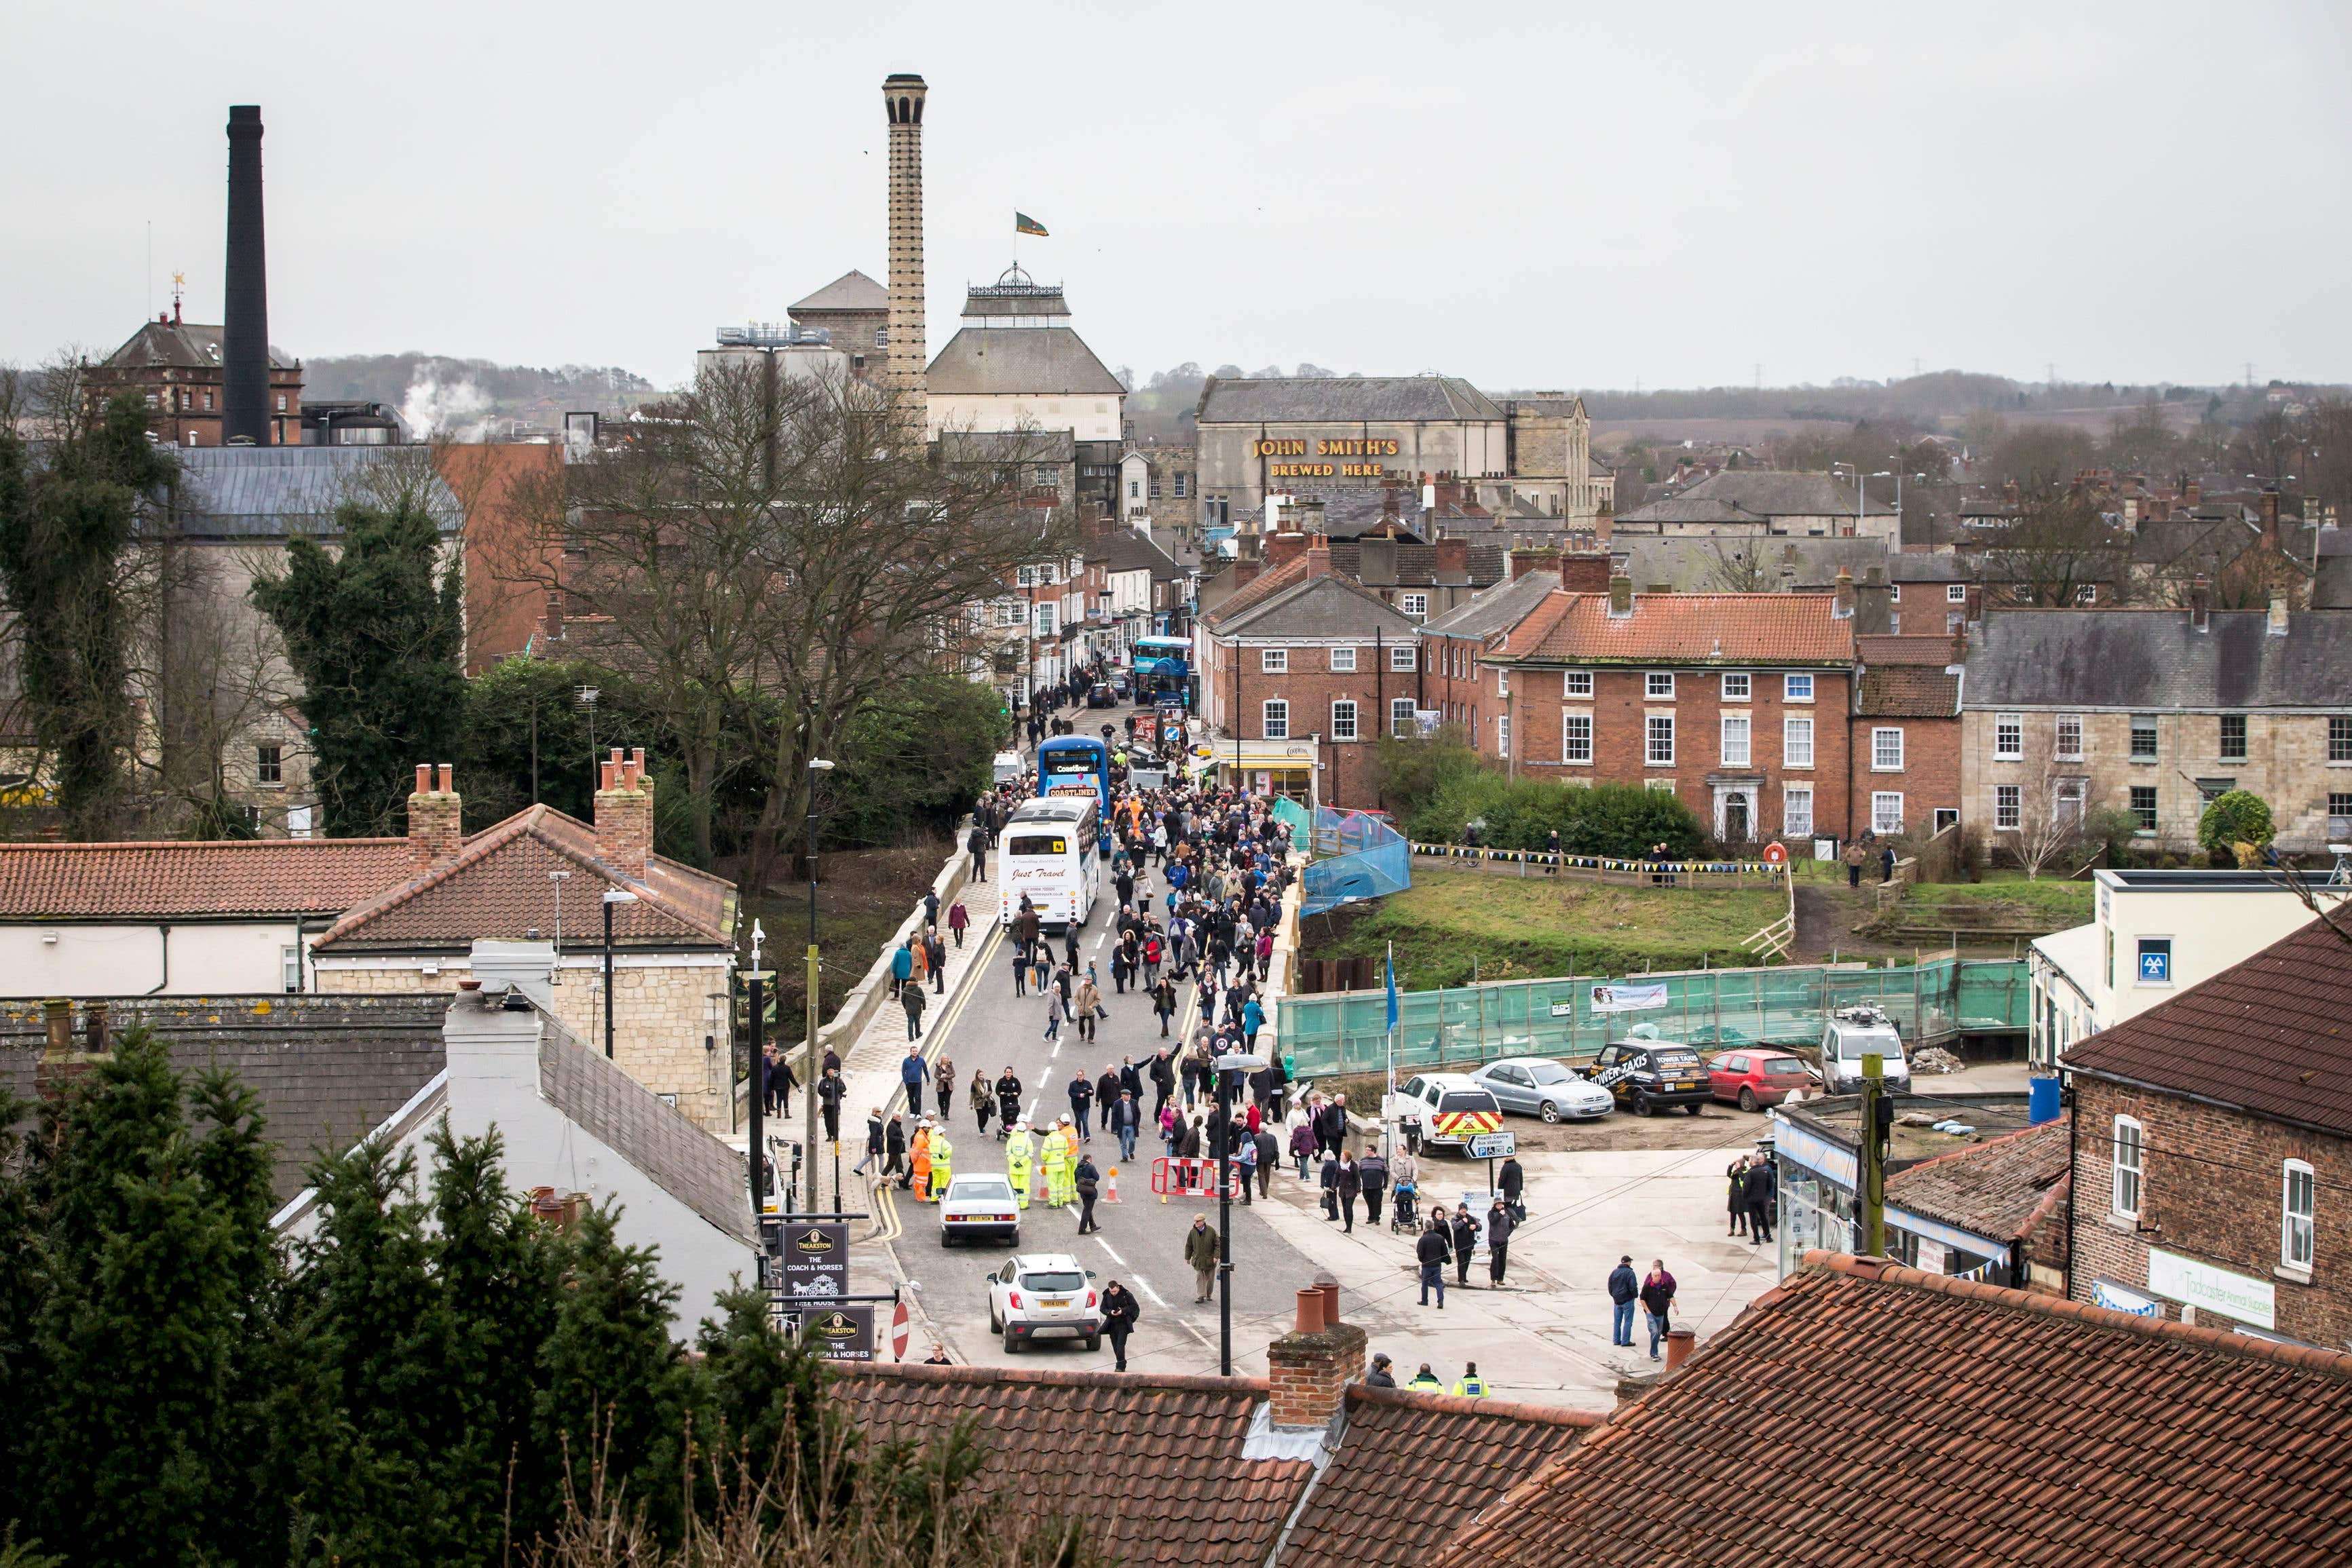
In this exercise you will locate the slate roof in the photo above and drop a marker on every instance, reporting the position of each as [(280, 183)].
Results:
[(1043, 361), (1906, 691), (1693, 565), (853, 290), (1127, 549), (1323, 606), (1756, 495), (2271, 1036), (1340, 400), (1414, 1469), (180, 345), (1930, 565), (1409, 565), (1860, 1412), (2001, 1189), (497, 887), (195, 880), (328, 1068), (1499, 608), (270, 492), (645, 1130), (1735, 629), (1152, 1464), (1257, 590), (2153, 660)]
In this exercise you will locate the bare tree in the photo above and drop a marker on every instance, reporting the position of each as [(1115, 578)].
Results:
[(2057, 548), (1740, 569), (2050, 803)]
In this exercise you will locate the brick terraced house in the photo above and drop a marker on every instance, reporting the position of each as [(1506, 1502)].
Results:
[(1905, 746), (2214, 1154), (1736, 703)]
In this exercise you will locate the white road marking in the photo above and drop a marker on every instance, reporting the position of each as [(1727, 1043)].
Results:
[(1114, 1256), (1145, 1286)]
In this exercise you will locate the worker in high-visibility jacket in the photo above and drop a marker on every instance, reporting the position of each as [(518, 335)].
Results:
[(1070, 1157), (942, 1153), (1019, 1147), (919, 1161), (1061, 1158), (1470, 1386)]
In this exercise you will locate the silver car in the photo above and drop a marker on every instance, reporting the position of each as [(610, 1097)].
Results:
[(1538, 1086)]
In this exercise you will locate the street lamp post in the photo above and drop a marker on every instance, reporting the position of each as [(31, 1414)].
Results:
[(759, 1150), (613, 895), (818, 767), (1229, 1069), (1854, 469)]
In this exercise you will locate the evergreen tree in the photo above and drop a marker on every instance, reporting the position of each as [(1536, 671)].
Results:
[(66, 519), (22, 1288), (377, 647)]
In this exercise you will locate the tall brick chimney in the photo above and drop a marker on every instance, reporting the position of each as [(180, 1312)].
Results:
[(1524, 561), (906, 362), (2193, 493), (436, 822), (624, 814), (2268, 504), (1843, 607), (245, 301), (1620, 595), (1453, 556), (1584, 570), (1309, 1368), (2201, 604), (1283, 548), (1319, 557)]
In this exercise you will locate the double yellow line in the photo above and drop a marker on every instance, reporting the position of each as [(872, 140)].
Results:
[(885, 1198)]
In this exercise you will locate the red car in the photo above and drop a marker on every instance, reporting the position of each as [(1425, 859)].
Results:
[(1759, 1077)]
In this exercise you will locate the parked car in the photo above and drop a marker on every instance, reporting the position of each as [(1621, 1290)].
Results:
[(1099, 694), (979, 1206), (1852, 1033), (1647, 1074), (1538, 1086), (1120, 687), (1754, 1079), (1433, 1100), (1041, 1293)]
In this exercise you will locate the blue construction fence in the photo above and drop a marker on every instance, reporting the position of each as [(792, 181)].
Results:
[(1357, 856), (1345, 1032)]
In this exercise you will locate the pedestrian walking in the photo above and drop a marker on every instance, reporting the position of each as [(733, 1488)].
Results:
[(1735, 1199), (1126, 1121), (1120, 1312), (1465, 1244), (1432, 1251), (1329, 1179), (875, 1128), (1885, 863), (1302, 1145), (1008, 1104), (1053, 1015), (1086, 1002), (1270, 1159), (1351, 1188), (983, 1099), (1757, 1189), (1088, 1183), (902, 966), (1020, 969), (1163, 1005), (1082, 1099), (1373, 1171), (975, 844), (1852, 858), (911, 998), (894, 1146), (911, 1073), (1623, 1289), (1498, 1241), (1201, 1252), (1244, 1166), (1658, 1302), (959, 920), (829, 1092)]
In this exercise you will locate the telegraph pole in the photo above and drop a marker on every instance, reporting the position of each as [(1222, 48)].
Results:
[(758, 1093), (1877, 1122)]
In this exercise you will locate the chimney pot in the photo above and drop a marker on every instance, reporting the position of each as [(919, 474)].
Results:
[(435, 817), (447, 770), (2200, 603), (1679, 1345), (1842, 606), (1620, 595), (2278, 614), (624, 816), (1329, 1284), (1310, 1310), (1584, 572)]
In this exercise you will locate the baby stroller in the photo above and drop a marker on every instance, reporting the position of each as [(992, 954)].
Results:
[(1402, 1216)]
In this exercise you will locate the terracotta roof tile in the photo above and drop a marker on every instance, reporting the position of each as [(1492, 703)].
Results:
[(1414, 1469), (1864, 1414), (2272, 1035), (180, 880), (2000, 1189), (1878, 648), (499, 887), (1906, 691), (1258, 589), (1153, 1465), (1684, 628)]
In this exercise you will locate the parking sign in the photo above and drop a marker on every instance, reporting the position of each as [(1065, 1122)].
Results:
[(1493, 1146)]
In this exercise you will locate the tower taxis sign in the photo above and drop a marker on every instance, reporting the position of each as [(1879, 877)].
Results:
[(1338, 457)]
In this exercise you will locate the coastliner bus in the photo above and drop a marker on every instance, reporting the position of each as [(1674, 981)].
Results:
[(1047, 853), (1163, 664), (1076, 765)]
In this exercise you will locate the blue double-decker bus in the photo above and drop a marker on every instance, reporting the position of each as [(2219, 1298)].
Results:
[(1076, 765), (1162, 666)]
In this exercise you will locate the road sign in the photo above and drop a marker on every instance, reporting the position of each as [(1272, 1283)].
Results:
[(1493, 1145), (899, 1331), (815, 1261), (841, 1333)]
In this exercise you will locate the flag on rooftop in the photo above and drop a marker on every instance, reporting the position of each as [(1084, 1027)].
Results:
[(1023, 224)]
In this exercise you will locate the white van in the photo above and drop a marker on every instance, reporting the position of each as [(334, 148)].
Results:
[(1426, 1097), (1046, 852), (1852, 1033)]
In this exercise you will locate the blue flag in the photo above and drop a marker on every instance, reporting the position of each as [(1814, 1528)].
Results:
[(1392, 999)]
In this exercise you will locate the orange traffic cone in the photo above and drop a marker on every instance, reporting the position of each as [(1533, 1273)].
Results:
[(1113, 1195)]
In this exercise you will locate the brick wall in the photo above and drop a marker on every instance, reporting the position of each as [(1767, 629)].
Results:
[(1451, 695), (1928, 780), (1350, 767), (2210, 1189), (1621, 707), (663, 1014), (1308, 1374)]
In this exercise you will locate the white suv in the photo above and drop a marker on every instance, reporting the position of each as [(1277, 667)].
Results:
[(1040, 1293)]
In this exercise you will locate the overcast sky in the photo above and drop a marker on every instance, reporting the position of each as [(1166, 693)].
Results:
[(1529, 194)]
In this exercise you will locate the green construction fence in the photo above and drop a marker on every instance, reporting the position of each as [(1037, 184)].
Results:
[(1345, 1032)]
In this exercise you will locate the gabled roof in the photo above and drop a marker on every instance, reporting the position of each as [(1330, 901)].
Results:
[(1011, 362), (499, 887), (1324, 606), (1754, 496), (645, 1130), (195, 880), (2271, 1036), (2002, 1189), (179, 345), (1415, 1469), (1256, 591), (1154, 1465), (1405, 564), (1906, 691), (270, 492), (2156, 659), (1860, 1412), (853, 290), (1772, 628), (1127, 549), (1687, 565), (1882, 648), (1292, 399), (1499, 608)]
